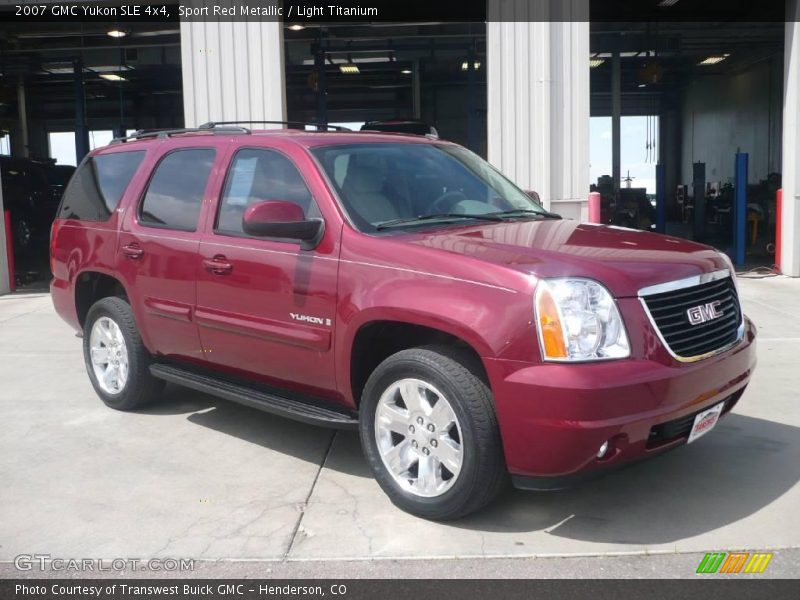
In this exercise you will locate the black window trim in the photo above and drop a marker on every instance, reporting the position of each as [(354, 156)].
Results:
[(228, 171), (143, 194)]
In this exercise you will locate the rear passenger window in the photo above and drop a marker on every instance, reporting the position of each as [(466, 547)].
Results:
[(175, 192), (256, 175), (98, 185)]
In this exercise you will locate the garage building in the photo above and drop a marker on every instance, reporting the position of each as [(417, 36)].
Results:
[(547, 91)]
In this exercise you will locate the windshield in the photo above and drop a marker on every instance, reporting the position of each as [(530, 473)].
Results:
[(404, 184)]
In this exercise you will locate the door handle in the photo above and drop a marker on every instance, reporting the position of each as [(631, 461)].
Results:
[(132, 251), (218, 265)]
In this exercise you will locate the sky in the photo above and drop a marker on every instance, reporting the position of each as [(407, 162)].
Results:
[(62, 144), (633, 151)]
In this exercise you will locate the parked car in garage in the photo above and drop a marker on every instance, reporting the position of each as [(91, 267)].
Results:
[(58, 177), (402, 286), (31, 194)]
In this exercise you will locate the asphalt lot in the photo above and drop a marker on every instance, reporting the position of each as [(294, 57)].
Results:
[(193, 476)]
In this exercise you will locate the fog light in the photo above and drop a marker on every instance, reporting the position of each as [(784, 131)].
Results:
[(603, 450)]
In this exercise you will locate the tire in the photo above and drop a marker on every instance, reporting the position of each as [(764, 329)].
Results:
[(111, 329), (447, 489)]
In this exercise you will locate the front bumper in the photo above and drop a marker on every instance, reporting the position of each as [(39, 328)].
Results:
[(554, 417)]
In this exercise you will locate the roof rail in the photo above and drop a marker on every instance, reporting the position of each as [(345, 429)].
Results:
[(215, 124), (165, 133)]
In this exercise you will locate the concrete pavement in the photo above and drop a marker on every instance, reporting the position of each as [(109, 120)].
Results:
[(193, 476)]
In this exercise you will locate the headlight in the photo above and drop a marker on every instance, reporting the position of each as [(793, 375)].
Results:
[(578, 320)]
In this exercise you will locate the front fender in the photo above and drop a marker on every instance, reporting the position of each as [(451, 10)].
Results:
[(496, 322)]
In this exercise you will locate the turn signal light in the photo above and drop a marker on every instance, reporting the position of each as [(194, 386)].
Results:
[(550, 327)]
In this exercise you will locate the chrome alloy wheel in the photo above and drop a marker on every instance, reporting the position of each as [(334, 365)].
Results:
[(419, 437), (109, 355)]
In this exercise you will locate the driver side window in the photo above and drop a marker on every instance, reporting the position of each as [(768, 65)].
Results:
[(256, 175)]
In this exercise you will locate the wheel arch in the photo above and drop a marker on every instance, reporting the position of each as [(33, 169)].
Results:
[(91, 286), (375, 340)]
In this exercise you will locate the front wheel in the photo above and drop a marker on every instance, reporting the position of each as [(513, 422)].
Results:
[(430, 435), (116, 359)]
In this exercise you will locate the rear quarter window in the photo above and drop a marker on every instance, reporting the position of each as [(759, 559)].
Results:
[(98, 185)]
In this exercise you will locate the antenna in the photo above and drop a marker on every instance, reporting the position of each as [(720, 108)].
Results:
[(628, 179)]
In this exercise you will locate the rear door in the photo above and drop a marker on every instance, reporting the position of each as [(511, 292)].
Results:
[(266, 308), (157, 250)]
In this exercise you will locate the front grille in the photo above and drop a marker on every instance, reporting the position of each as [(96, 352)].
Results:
[(664, 433), (669, 311)]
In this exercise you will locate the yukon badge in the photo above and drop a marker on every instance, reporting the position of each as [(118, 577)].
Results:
[(704, 313), (310, 319)]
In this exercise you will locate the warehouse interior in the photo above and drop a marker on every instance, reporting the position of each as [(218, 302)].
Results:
[(65, 89), (706, 91), (355, 73)]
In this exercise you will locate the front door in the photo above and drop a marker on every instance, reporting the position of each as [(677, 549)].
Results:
[(265, 307)]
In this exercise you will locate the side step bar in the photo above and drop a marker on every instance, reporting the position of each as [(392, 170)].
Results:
[(298, 410)]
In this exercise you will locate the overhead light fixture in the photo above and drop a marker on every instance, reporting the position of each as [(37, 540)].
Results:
[(713, 59), (349, 69), (641, 85), (117, 33), (109, 68), (406, 71), (112, 77), (465, 65), (595, 62), (297, 27), (667, 3), (356, 60), (632, 54)]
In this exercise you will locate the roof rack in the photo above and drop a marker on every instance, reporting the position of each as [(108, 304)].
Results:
[(216, 124), (165, 133)]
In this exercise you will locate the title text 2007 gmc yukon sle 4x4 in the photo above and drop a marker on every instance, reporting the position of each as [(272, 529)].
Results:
[(400, 285)]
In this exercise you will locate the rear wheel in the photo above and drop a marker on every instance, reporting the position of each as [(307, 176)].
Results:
[(430, 434), (116, 359)]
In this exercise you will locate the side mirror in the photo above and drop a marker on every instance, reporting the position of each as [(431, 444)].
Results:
[(533, 196), (284, 220)]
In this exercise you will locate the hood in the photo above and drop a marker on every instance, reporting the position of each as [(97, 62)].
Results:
[(624, 260)]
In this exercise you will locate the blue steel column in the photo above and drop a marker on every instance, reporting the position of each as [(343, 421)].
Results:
[(81, 129), (699, 193), (472, 133), (322, 86), (661, 199), (740, 208)]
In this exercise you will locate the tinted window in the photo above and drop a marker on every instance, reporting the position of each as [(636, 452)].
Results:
[(98, 185), (176, 190), (258, 175)]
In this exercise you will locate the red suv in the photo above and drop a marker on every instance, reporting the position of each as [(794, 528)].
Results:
[(400, 285)]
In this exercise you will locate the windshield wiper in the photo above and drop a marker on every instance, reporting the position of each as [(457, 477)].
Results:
[(524, 212), (438, 216)]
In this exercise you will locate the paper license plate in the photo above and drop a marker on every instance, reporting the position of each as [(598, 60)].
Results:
[(705, 422)]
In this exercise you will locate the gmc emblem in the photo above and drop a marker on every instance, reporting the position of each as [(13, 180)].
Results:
[(704, 313)]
